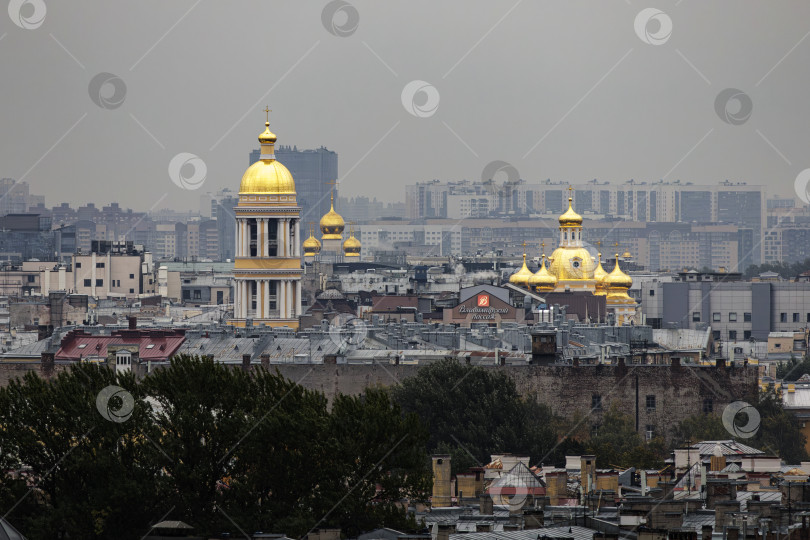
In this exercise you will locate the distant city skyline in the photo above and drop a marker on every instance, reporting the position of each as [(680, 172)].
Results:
[(98, 112)]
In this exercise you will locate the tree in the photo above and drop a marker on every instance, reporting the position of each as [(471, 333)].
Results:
[(698, 427), (618, 444), (779, 433), (217, 447), (793, 369), (88, 476), (472, 412)]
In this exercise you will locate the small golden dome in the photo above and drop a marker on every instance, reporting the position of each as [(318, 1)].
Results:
[(267, 136), (599, 275), (521, 277), (332, 224), (542, 280), (570, 218), (311, 246), (618, 279), (351, 247), (626, 255)]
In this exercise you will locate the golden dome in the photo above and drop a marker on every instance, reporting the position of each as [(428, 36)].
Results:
[(617, 279), (267, 136), (570, 218), (599, 275), (267, 175), (542, 280), (351, 247), (521, 277), (626, 255), (332, 224), (571, 263), (311, 246)]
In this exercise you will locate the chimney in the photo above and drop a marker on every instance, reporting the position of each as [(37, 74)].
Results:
[(733, 533), (676, 362), (246, 362), (444, 530), (485, 505), (587, 471), (441, 481), (133, 322), (706, 532), (265, 361), (47, 363)]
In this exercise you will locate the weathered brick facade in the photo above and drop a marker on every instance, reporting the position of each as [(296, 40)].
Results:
[(679, 391)]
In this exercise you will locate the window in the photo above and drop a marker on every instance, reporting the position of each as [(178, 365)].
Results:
[(88, 283), (716, 316), (31, 278), (99, 265), (649, 432), (596, 402), (732, 316), (708, 405), (732, 335), (132, 276), (99, 282), (650, 403), (796, 317), (716, 335), (652, 292), (197, 294), (783, 317), (747, 317), (78, 264), (186, 295), (131, 291), (695, 316), (746, 334), (808, 317)]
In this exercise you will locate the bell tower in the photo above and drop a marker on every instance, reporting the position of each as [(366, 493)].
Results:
[(267, 271)]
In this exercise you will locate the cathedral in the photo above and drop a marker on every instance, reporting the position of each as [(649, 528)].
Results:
[(332, 247), (571, 268)]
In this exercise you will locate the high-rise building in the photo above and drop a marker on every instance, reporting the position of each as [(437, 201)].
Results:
[(313, 170), (733, 203), (15, 197), (267, 271)]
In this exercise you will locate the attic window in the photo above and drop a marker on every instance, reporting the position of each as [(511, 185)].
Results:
[(82, 346), (150, 346)]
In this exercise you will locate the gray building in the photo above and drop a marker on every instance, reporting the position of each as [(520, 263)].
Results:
[(735, 311), (311, 169), (226, 226), (26, 236)]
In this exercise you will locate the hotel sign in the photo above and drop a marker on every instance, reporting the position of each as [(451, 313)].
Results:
[(480, 308)]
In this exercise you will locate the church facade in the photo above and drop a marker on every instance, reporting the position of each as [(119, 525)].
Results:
[(573, 268)]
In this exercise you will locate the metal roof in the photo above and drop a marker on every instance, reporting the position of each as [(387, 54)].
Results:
[(575, 532)]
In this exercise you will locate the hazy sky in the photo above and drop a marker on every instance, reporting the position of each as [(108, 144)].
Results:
[(563, 89)]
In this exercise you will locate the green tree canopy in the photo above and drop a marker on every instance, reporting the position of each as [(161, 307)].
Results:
[(219, 448), (472, 412), (618, 444)]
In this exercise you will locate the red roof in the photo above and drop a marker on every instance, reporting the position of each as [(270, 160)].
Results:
[(79, 344)]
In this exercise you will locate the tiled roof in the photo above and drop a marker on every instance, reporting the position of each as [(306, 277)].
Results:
[(152, 344)]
